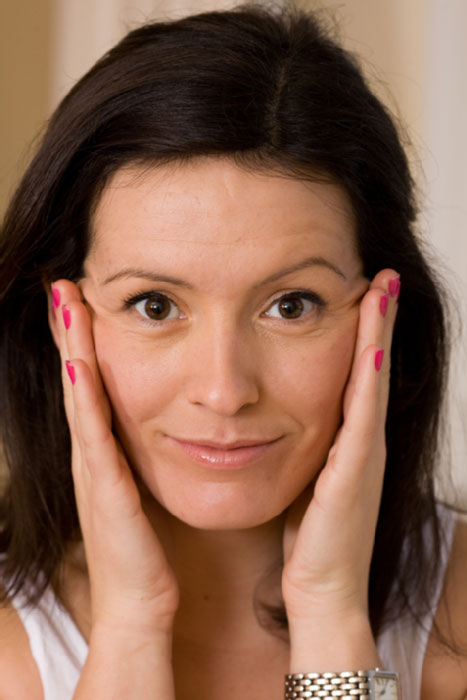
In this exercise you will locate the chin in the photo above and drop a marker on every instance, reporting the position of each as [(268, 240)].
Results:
[(222, 521), (224, 500), (218, 509)]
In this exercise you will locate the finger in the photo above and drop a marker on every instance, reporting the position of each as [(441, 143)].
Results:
[(63, 292), (377, 313), (394, 287), (80, 344), (59, 291), (113, 487), (355, 462), (377, 307), (75, 340)]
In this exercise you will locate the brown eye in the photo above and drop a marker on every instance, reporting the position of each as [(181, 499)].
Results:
[(156, 307), (293, 306)]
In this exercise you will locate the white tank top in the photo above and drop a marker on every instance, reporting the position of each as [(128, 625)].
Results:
[(60, 650)]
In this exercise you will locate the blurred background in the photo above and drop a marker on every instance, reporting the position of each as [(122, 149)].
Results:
[(414, 52)]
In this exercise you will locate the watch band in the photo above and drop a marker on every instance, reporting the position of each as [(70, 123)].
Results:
[(349, 685)]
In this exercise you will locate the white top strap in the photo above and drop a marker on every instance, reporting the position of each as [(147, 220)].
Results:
[(56, 645), (402, 645)]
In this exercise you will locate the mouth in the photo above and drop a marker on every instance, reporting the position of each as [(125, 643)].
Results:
[(232, 455)]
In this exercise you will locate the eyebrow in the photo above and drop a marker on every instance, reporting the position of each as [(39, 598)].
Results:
[(128, 272)]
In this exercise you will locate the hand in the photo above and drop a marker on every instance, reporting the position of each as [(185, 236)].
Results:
[(329, 531), (132, 585)]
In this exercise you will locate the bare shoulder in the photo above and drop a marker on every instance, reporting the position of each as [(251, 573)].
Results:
[(444, 672), (19, 675)]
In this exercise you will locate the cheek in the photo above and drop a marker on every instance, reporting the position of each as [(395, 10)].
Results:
[(309, 382), (139, 379)]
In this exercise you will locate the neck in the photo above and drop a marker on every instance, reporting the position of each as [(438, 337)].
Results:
[(221, 575)]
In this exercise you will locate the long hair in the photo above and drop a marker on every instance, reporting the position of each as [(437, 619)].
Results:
[(273, 91)]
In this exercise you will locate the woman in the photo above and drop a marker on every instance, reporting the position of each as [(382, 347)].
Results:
[(200, 284)]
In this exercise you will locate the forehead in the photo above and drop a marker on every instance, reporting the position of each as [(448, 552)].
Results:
[(211, 203)]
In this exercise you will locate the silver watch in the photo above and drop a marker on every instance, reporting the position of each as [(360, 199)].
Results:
[(349, 685)]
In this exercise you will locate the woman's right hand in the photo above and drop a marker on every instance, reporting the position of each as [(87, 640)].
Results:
[(132, 585)]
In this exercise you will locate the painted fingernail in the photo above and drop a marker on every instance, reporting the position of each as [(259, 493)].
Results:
[(55, 297), (379, 359), (71, 371), (395, 287), (383, 304), (66, 317)]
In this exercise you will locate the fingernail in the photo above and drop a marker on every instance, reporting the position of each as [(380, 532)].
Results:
[(383, 304), (379, 359), (55, 297), (66, 317), (395, 287), (71, 371)]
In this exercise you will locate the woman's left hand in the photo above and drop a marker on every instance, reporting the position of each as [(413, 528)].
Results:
[(330, 529)]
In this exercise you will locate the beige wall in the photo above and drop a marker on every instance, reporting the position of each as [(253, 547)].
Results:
[(25, 39), (389, 35)]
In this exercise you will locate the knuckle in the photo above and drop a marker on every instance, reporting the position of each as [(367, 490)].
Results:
[(372, 299)]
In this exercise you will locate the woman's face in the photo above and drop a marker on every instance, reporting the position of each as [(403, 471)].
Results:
[(225, 308)]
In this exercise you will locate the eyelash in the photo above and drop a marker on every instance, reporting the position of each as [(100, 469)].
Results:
[(312, 297)]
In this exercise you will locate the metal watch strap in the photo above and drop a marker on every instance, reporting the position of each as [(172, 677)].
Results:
[(348, 685)]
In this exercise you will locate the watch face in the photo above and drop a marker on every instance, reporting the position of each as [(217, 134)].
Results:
[(385, 688)]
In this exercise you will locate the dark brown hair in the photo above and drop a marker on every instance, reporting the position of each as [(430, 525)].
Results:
[(273, 91)]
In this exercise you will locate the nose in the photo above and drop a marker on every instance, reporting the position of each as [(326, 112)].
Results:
[(222, 370)]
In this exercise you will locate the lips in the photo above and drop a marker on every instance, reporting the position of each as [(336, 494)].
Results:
[(231, 445), (229, 455)]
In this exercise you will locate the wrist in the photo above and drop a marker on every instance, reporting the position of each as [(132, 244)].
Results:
[(127, 665), (139, 623), (120, 640), (332, 643)]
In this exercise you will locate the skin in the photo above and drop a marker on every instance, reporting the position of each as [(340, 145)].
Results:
[(184, 546)]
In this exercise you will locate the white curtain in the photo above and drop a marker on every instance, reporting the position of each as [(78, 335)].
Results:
[(85, 29), (445, 163)]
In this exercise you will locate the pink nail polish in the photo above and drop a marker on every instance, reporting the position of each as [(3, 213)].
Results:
[(55, 297), (383, 305), (395, 287), (66, 317), (379, 359), (71, 371)]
